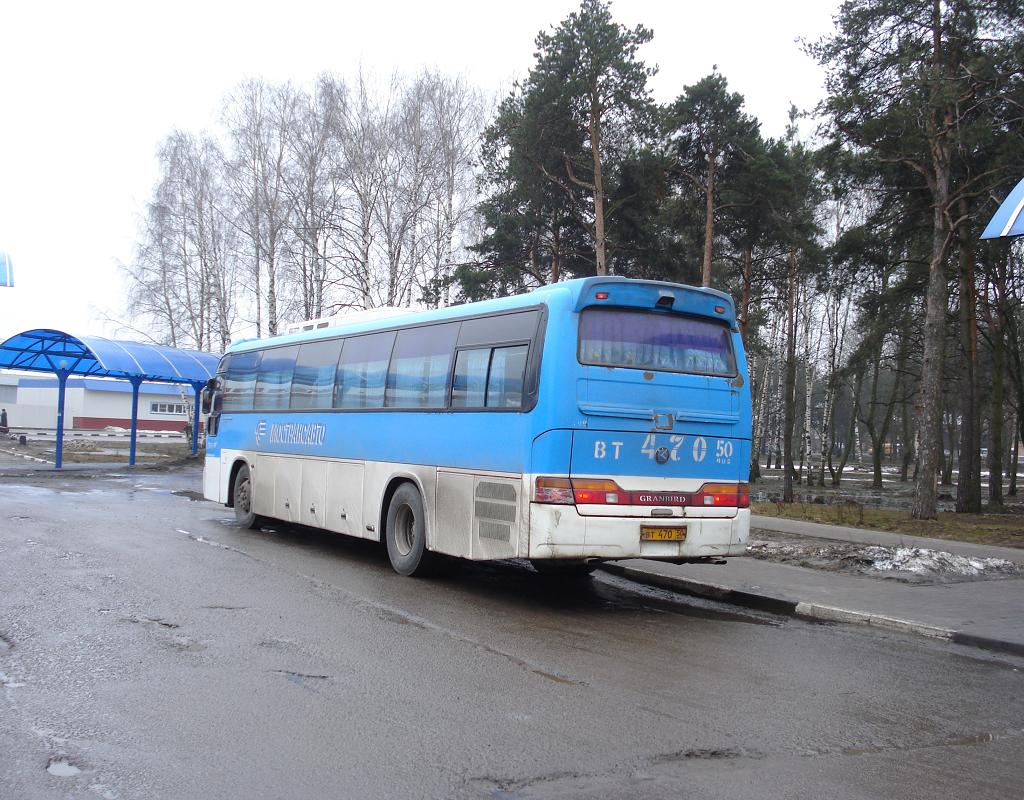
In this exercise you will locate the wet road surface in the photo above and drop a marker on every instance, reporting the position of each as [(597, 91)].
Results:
[(149, 648)]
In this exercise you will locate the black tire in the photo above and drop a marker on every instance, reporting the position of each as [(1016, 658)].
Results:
[(242, 497), (406, 533), (565, 569)]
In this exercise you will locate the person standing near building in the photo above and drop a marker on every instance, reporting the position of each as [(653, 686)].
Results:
[(3, 420)]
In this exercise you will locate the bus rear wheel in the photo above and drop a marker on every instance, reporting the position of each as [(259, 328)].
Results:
[(406, 533), (242, 497)]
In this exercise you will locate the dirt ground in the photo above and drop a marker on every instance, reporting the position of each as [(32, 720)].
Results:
[(99, 450), (857, 504)]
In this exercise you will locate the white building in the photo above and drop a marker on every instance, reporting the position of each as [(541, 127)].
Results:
[(93, 403)]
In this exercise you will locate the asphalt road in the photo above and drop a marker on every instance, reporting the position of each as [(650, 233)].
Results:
[(151, 649)]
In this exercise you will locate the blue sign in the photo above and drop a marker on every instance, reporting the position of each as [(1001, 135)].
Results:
[(1008, 220), (6, 270)]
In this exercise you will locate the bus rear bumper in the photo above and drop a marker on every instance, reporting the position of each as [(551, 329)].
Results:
[(560, 531)]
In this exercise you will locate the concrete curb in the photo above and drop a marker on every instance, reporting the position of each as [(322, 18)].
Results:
[(24, 455), (811, 611)]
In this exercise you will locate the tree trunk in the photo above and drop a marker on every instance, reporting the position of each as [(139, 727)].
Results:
[(790, 395), (930, 409), (837, 473), (595, 148), (556, 253), (761, 404), (995, 439), (930, 415), (968, 485), (947, 464), (709, 219), (908, 445), (805, 439), (827, 429), (748, 269), (1014, 456)]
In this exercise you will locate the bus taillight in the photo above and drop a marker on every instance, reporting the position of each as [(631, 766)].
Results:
[(598, 492), (553, 490), (723, 495), (583, 491)]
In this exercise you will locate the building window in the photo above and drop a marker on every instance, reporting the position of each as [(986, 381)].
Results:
[(167, 408)]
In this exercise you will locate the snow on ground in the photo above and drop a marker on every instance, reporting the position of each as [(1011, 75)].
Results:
[(922, 561), (910, 564)]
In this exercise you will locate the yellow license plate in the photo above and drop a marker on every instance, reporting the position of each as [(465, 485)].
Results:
[(676, 534)]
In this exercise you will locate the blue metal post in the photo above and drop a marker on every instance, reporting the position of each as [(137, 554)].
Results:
[(198, 388), (136, 383), (62, 380)]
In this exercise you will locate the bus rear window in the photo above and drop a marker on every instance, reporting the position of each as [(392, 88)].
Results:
[(616, 337)]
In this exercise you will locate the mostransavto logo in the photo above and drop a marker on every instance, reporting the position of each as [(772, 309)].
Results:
[(311, 433)]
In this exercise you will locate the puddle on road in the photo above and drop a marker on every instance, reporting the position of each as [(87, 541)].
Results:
[(185, 645), (62, 768), (706, 754), (298, 677), (192, 495), (152, 620)]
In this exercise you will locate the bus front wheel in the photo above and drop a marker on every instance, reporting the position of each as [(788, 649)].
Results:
[(406, 532), (243, 499)]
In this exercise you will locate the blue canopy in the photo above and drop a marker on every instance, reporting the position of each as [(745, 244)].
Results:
[(48, 350), (1009, 217)]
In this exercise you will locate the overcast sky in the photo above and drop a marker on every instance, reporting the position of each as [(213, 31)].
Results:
[(88, 90)]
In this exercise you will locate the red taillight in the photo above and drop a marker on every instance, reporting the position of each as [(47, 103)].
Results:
[(601, 296), (722, 495), (598, 492), (583, 491), (553, 490)]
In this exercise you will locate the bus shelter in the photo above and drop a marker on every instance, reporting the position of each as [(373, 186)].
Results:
[(62, 354)]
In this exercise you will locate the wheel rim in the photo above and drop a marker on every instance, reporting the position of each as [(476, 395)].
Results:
[(405, 530), (242, 496)]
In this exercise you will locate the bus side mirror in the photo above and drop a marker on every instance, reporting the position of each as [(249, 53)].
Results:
[(209, 396)]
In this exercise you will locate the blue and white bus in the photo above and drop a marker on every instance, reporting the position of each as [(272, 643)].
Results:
[(594, 419)]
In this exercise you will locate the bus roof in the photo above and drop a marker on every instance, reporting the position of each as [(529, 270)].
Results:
[(576, 289)]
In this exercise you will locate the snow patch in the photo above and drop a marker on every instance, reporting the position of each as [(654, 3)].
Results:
[(903, 563), (922, 561)]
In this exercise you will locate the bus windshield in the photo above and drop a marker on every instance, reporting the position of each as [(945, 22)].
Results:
[(616, 337)]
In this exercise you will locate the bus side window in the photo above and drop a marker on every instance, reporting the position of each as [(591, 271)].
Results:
[(515, 327), (469, 384), (313, 383), (505, 380), (274, 384), (418, 375), (362, 369), (240, 371)]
